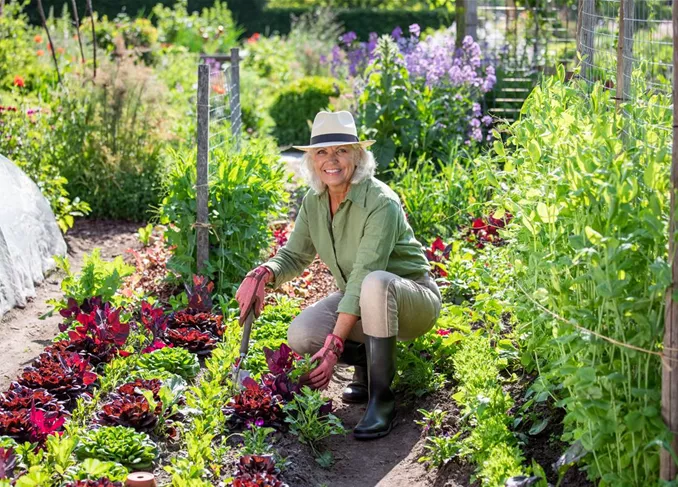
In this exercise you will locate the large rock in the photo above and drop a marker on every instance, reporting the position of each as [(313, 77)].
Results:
[(29, 237)]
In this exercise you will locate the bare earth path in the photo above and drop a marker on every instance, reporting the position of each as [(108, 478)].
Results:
[(22, 334)]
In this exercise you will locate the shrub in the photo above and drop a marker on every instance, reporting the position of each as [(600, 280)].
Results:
[(245, 192), (296, 106), (107, 137)]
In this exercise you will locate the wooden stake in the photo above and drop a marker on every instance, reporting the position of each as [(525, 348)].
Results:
[(2, 7), (202, 190), (90, 12), (668, 468), (49, 38), (459, 13), (587, 27), (77, 29)]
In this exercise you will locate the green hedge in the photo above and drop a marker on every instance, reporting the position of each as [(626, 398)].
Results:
[(252, 15), (241, 9), (360, 21), (296, 106)]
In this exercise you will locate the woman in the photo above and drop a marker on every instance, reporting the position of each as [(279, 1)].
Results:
[(356, 225)]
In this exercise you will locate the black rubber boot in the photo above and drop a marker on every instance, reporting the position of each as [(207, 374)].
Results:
[(356, 391), (381, 367), (354, 354)]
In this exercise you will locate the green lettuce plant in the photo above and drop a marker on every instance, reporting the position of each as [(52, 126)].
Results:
[(118, 444), (175, 360)]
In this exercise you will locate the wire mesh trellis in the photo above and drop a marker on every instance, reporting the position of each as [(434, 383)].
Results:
[(219, 124), (524, 40), (225, 114), (627, 46)]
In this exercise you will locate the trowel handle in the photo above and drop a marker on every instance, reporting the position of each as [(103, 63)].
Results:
[(246, 331)]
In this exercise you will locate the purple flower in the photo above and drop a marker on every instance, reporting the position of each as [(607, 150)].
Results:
[(397, 33), (348, 38), (477, 110), (475, 123), (415, 30), (487, 120)]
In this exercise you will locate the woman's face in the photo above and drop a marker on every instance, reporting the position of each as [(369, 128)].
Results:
[(335, 166)]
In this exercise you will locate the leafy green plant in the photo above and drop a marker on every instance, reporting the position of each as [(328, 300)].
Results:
[(176, 360), (118, 444), (245, 192), (93, 469), (296, 106), (255, 441), (587, 200), (310, 419)]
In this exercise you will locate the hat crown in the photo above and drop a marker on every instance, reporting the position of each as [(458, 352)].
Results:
[(333, 123)]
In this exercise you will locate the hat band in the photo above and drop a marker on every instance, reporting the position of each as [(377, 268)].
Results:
[(320, 139)]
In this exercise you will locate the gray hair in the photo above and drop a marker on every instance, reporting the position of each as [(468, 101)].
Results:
[(365, 166)]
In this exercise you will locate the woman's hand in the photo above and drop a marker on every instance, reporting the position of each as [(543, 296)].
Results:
[(328, 356), (251, 293)]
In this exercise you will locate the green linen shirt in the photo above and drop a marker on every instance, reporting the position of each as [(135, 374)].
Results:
[(369, 232)]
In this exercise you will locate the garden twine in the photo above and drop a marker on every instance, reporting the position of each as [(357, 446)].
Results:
[(664, 358)]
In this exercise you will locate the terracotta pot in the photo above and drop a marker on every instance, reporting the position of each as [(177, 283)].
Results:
[(140, 479)]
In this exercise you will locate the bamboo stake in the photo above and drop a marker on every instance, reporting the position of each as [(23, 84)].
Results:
[(90, 12), (77, 30), (668, 468), (49, 38)]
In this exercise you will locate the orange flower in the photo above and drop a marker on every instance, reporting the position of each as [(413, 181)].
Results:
[(218, 89), (40, 52), (60, 50), (38, 39), (255, 37), (19, 81)]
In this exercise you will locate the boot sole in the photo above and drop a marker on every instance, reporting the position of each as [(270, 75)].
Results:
[(377, 435)]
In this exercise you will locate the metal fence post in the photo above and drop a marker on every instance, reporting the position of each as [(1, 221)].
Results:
[(202, 190), (668, 468), (624, 51), (587, 27), (471, 18), (236, 112)]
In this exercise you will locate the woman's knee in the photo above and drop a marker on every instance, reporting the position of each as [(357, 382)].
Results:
[(376, 286), (301, 339)]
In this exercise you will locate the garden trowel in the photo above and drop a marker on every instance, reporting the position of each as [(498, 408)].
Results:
[(240, 374)]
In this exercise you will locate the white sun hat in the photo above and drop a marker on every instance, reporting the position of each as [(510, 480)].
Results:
[(333, 128)]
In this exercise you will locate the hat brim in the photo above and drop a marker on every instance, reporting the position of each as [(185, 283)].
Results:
[(364, 143)]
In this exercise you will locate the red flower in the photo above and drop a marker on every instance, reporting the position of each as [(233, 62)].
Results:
[(442, 332), (255, 37), (19, 81), (438, 245)]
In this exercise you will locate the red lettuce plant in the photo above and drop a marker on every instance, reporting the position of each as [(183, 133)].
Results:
[(16, 424), (133, 388), (99, 336), (281, 363), (73, 309), (20, 397), (131, 411), (255, 405), (102, 482), (8, 461), (204, 322), (44, 424), (66, 375), (153, 319), (192, 340), (257, 471)]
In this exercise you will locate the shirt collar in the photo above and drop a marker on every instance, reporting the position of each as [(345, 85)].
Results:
[(358, 193)]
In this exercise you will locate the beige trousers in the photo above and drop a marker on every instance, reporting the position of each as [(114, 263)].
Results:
[(389, 306)]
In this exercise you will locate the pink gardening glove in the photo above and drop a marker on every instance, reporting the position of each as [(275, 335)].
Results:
[(250, 294), (328, 356)]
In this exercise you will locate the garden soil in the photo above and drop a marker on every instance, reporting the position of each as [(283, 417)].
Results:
[(23, 335)]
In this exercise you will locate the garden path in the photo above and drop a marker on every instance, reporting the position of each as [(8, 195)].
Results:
[(23, 335)]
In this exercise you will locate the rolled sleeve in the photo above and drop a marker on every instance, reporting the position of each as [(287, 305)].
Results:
[(374, 250), (296, 255)]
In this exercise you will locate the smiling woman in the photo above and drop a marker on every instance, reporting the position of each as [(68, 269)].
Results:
[(356, 225)]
